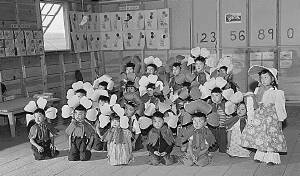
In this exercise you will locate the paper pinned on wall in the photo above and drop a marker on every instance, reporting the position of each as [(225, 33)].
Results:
[(163, 18), (134, 39), (117, 19), (150, 19), (116, 41), (93, 41), (152, 39), (134, 20), (268, 55), (83, 27), (97, 36), (95, 22), (75, 41), (10, 47), (286, 55), (82, 42), (39, 46), (20, 42), (105, 22), (8, 34), (2, 48), (106, 40), (163, 39), (1, 34), (73, 20), (89, 23), (30, 43), (256, 56)]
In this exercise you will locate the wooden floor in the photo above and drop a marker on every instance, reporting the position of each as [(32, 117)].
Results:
[(16, 159)]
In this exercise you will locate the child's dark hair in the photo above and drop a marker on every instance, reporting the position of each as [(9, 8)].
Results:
[(131, 103), (103, 98), (201, 59), (104, 84), (186, 84), (152, 65), (199, 114), (216, 90), (81, 91), (114, 116), (80, 108), (40, 110), (129, 84), (158, 114), (130, 64), (224, 68), (273, 83), (151, 86), (176, 64), (78, 76)]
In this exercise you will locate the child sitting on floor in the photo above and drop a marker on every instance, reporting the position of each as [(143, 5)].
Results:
[(199, 139), (160, 141), (41, 137)]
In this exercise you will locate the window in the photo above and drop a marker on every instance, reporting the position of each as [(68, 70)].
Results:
[(54, 26)]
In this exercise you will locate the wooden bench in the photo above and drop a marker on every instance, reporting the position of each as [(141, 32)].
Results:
[(12, 107)]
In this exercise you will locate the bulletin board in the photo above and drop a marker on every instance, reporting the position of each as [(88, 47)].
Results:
[(128, 30)]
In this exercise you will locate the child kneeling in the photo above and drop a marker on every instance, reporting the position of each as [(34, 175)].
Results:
[(160, 141), (41, 137), (199, 139)]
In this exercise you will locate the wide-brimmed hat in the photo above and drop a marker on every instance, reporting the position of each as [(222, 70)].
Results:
[(256, 69)]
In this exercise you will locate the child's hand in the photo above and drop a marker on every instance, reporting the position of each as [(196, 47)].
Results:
[(156, 153), (40, 149), (163, 154)]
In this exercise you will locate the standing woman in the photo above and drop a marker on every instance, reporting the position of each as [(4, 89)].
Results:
[(264, 129)]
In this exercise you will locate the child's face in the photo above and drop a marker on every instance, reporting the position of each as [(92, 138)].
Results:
[(129, 111), (115, 123), (216, 97), (130, 89), (129, 70), (150, 91), (101, 87), (223, 73), (80, 95), (241, 110), (101, 102), (79, 115), (199, 66), (176, 71), (39, 118), (198, 122), (266, 79), (150, 70), (157, 122)]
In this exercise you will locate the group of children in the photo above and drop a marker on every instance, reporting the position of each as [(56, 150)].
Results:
[(185, 104)]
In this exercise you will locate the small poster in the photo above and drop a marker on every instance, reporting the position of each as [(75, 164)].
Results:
[(73, 20), (82, 26), (1, 34), (82, 42), (93, 41), (97, 37), (10, 47), (117, 19), (163, 18), (2, 48), (150, 19), (89, 23), (134, 20), (116, 41), (30, 43), (75, 41), (20, 43), (105, 22), (38, 34), (106, 40), (163, 39), (39, 46), (231, 18), (95, 22), (8, 34), (152, 39), (134, 39)]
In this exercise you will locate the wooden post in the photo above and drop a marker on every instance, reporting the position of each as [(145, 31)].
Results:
[(79, 60), (44, 73), (23, 79), (93, 65), (63, 78), (1, 96)]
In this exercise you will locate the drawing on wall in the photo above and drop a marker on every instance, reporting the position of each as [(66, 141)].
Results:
[(81, 28), (95, 22), (152, 39), (89, 23), (163, 18), (134, 39), (2, 47), (163, 39), (134, 20), (20, 43), (106, 40), (150, 19), (8, 34), (38, 34), (75, 41), (116, 41), (117, 21), (233, 18), (30, 43), (82, 42), (105, 22), (1, 34), (39, 46), (10, 47), (97, 37), (73, 20)]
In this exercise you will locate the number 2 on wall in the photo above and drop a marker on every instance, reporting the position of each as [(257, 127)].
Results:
[(208, 38)]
